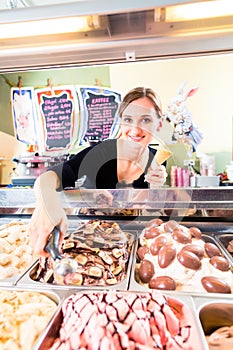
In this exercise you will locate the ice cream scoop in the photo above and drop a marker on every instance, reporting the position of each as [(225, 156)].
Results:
[(62, 265)]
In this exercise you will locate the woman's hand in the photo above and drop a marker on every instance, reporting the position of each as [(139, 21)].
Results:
[(47, 214), (42, 224), (157, 176)]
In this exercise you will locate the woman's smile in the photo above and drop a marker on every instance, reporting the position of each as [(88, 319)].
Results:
[(136, 138)]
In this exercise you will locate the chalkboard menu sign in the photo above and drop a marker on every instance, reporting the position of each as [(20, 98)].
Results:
[(58, 112), (99, 113)]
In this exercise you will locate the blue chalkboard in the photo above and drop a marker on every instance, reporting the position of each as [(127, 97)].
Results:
[(99, 113), (57, 111)]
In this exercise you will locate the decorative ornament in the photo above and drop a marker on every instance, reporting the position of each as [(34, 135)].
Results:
[(178, 114)]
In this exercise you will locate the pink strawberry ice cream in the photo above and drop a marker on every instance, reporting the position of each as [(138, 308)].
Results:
[(126, 320)]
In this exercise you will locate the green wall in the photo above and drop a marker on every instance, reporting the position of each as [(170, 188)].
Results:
[(68, 76)]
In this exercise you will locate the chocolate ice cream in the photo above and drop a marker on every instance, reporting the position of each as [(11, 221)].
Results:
[(101, 251)]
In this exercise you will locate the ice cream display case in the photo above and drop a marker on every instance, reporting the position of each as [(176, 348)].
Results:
[(214, 202), (171, 236)]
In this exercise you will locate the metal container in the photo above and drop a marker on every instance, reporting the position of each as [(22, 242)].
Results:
[(5, 223), (27, 279), (21, 301), (136, 286), (12, 281), (52, 331), (51, 294), (107, 212), (214, 314), (224, 240)]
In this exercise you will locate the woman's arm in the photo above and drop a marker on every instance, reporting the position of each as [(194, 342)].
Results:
[(48, 211)]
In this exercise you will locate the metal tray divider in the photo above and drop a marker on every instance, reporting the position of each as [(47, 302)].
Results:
[(224, 249)]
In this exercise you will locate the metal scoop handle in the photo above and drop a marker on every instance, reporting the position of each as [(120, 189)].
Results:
[(52, 244)]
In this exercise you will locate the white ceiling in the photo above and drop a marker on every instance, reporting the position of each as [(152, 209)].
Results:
[(128, 29), (8, 4)]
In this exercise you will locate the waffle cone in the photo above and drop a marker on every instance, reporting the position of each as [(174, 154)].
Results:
[(162, 155)]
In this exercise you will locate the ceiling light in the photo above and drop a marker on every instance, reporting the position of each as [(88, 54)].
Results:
[(49, 26), (203, 9)]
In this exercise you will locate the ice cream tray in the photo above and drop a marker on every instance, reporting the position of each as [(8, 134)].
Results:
[(202, 305), (47, 338), (25, 314), (13, 281), (27, 279), (206, 313), (220, 240), (216, 318), (15, 253)]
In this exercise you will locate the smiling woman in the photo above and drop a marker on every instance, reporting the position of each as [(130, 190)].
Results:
[(114, 163), (122, 161)]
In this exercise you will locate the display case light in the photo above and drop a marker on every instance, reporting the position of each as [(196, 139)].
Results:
[(49, 26), (194, 11)]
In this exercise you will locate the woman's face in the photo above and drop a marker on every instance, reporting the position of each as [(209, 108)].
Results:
[(139, 121)]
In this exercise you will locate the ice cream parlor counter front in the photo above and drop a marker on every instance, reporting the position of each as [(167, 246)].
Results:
[(152, 270)]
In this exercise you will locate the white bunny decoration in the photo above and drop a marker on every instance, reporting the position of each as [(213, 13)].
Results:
[(178, 114)]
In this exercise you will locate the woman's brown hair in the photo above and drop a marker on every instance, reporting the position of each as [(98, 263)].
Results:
[(140, 92)]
